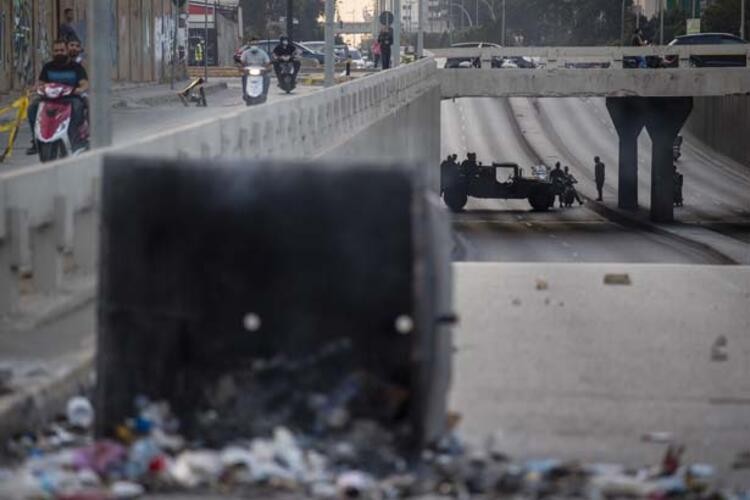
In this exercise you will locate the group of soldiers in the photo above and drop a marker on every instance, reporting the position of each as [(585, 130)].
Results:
[(567, 192)]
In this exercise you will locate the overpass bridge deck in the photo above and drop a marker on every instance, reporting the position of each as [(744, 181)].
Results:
[(596, 71)]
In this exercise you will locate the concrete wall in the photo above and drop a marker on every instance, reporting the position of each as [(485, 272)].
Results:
[(724, 124), (49, 213)]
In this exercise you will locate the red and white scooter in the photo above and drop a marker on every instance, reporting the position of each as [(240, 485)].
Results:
[(52, 128)]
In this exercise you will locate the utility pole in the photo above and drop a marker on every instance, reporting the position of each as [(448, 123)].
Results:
[(100, 50), (622, 30), (661, 22), (476, 13), (420, 29), (502, 32), (743, 14), (290, 19), (329, 36), (205, 39), (396, 59), (176, 21), (692, 10)]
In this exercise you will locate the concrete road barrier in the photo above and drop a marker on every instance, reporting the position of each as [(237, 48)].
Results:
[(48, 213)]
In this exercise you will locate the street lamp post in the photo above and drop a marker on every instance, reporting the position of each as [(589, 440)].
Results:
[(100, 50), (661, 22), (396, 33), (420, 29), (205, 40), (622, 30), (502, 31), (743, 14), (329, 36)]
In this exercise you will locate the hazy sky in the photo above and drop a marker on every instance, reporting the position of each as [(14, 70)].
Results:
[(351, 10)]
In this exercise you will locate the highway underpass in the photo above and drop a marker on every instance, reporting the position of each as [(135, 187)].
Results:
[(557, 361), (532, 131)]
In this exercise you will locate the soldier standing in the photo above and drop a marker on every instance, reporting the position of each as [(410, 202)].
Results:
[(599, 176)]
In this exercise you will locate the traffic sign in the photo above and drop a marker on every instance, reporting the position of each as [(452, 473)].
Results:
[(386, 18)]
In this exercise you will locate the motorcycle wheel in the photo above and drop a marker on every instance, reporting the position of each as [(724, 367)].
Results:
[(455, 198), (50, 151)]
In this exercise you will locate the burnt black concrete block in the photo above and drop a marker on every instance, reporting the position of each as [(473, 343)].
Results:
[(272, 293)]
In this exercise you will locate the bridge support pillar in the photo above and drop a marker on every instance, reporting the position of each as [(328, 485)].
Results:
[(665, 117), (629, 119)]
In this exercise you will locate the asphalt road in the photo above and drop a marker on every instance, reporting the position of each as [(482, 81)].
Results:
[(140, 121), (573, 131)]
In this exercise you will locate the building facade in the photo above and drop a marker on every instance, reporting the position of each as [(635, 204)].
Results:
[(142, 43)]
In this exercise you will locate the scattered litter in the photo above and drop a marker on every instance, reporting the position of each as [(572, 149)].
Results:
[(357, 459), (541, 284), (516, 302), (661, 437), (80, 412), (125, 489), (617, 279)]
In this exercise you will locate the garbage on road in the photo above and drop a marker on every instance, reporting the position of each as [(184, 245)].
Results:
[(354, 459)]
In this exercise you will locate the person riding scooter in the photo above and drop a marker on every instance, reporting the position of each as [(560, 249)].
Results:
[(254, 56), (285, 50), (62, 70)]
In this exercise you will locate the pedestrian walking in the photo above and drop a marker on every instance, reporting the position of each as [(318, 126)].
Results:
[(385, 39), (599, 177), (638, 41)]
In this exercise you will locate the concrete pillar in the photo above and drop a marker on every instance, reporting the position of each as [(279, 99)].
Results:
[(47, 262), (85, 241), (8, 281), (665, 116), (628, 116)]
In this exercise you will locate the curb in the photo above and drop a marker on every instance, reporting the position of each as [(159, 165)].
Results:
[(38, 404), (167, 97), (76, 300)]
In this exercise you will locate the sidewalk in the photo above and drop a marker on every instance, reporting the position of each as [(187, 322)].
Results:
[(125, 96)]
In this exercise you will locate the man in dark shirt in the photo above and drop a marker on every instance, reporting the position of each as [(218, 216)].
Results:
[(67, 32), (557, 177), (385, 39), (65, 71), (599, 177), (638, 41), (285, 48)]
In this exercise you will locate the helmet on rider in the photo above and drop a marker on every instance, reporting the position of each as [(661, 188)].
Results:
[(284, 40)]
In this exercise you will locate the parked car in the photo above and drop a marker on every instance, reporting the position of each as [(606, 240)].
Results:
[(517, 62), (320, 47), (268, 45), (469, 62), (708, 61)]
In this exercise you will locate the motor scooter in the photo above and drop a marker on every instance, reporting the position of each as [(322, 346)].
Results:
[(52, 127), (255, 85), (287, 76)]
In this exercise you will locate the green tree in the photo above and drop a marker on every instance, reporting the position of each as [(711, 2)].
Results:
[(723, 16)]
